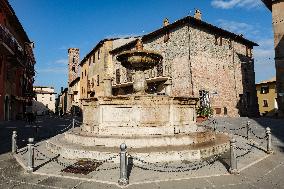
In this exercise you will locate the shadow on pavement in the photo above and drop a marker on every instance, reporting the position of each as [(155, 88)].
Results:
[(44, 128)]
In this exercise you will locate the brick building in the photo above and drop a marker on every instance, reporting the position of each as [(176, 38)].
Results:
[(16, 65), (199, 59)]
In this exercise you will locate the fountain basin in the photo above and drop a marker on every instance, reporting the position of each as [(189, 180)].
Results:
[(128, 116), (162, 154), (139, 59)]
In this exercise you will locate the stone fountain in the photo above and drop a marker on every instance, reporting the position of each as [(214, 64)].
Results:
[(155, 128)]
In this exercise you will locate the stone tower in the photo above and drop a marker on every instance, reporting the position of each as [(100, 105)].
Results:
[(277, 7), (73, 64)]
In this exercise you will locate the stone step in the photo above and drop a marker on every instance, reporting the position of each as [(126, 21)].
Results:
[(152, 154), (139, 141)]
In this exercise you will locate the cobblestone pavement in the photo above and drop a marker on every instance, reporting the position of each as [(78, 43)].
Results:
[(265, 174)]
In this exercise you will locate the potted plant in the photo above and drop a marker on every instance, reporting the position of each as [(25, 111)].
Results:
[(203, 112)]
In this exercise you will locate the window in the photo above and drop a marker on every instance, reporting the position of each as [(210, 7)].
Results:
[(218, 40), (204, 98), (73, 60), (82, 90), (225, 111), (166, 36), (73, 68), (160, 69), (98, 54), (230, 44), (90, 60), (248, 52), (264, 90), (82, 75), (117, 75), (50, 98), (85, 73), (94, 57), (218, 110), (265, 103), (98, 80), (128, 75)]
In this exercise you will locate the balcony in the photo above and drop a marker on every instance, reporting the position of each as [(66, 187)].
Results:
[(10, 47)]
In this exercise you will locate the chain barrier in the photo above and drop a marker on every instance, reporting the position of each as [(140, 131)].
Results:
[(78, 122), (66, 128), (23, 151), (182, 168), (237, 129), (65, 165), (249, 150), (54, 159), (251, 131)]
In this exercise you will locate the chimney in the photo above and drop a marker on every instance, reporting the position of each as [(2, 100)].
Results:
[(198, 14), (166, 22)]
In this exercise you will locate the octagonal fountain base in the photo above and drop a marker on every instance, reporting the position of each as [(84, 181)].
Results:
[(154, 128)]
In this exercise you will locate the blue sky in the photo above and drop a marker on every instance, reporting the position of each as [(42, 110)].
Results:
[(56, 25)]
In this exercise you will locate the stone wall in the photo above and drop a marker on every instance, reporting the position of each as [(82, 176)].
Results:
[(194, 61), (175, 54)]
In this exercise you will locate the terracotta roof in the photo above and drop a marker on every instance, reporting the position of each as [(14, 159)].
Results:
[(43, 92), (43, 87), (193, 21), (273, 79)]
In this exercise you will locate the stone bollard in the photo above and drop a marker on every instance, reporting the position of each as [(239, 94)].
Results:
[(73, 123), (30, 155), (14, 142), (248, 124), (233, 169), (268, 134), (123, 180)]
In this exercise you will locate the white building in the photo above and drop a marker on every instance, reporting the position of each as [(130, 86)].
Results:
[(44, 101)]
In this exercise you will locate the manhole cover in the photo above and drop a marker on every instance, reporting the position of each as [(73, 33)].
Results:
[(83, 167)]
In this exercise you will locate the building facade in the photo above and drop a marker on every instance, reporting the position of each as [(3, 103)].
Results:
[(74, 94), (44, 101), (97, 68), (73, 73), (277, 7), (199, 60), (267, 97), (62, 102), (16, 65)]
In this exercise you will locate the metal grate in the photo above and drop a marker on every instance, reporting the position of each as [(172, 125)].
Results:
[(83, 167)]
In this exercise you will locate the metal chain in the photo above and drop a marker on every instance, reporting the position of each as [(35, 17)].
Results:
[(66, 164), (237, 129), (23, 152), (53, 159), (251, 131), (249, 150), (166, 167), (66, 128)]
